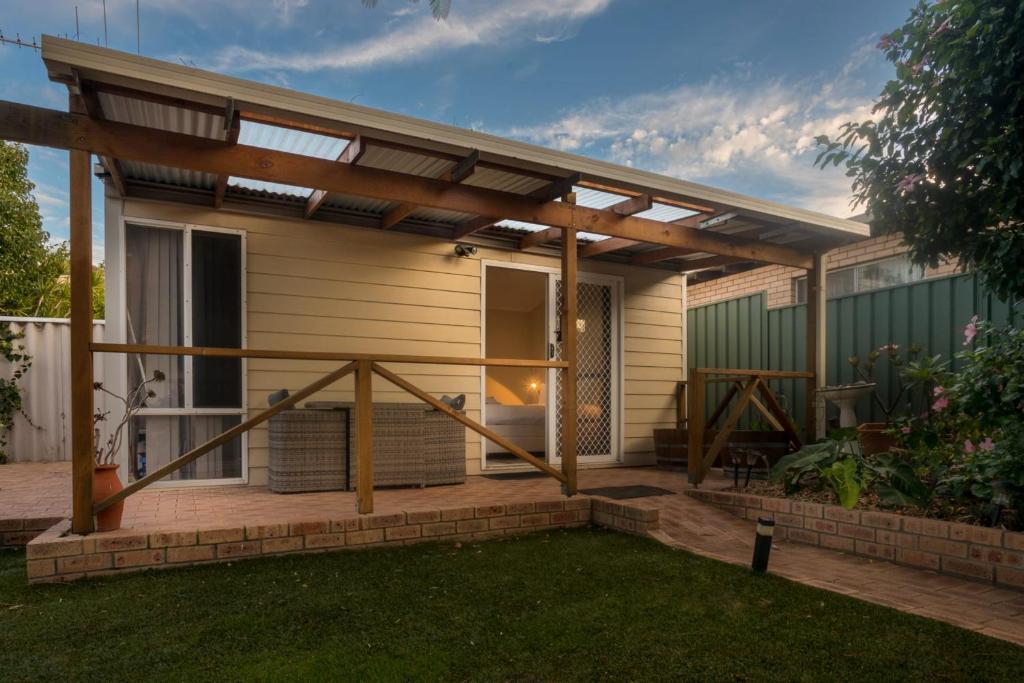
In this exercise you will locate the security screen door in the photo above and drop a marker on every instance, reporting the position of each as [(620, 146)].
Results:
[(598, 370)]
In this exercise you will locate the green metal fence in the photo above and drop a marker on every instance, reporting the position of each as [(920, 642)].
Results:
[(744, 333)]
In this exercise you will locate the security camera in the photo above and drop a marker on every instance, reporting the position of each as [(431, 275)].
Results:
[(465, 250)]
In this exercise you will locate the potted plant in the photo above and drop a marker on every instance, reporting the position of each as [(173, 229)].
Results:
[(105, 479), (911, 374)]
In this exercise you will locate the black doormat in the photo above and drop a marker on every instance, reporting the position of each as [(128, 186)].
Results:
[(511, 476), (624, 492)]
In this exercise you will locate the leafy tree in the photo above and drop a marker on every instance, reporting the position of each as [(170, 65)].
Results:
[(28, 265), (34, 275), (942, 163)]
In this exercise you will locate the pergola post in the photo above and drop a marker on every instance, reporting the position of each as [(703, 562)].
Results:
[(569, 334), (82, 461), (816, 296), (364, 436)]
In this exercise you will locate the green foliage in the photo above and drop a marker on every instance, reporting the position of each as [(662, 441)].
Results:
[(898, 483), (439, 8), (793, 470), (10, 390), (942, 160), (34, 275), (844, 478)]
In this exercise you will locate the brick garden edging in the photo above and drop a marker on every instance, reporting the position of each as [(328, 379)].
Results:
[(16, 533), (57, 555), (963, 550)]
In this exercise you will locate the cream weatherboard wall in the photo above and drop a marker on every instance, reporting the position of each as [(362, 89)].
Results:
[(321, 287)]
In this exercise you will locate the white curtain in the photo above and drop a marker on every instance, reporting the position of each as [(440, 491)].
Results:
[(155, 310)]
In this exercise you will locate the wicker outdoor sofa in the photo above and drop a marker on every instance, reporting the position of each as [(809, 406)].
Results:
[(413, 445)]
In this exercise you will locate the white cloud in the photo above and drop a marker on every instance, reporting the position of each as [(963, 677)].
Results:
[(739, 132), (416, 36)]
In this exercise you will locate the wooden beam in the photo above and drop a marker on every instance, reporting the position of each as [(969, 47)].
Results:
[(605, 246), (558, 188), (364, 437), (233, 126), (91, 105), (722, 437), (815, 349), (38, 126), (475, 426), (225, 437), (695, 388), (773, 405), (352, 153), (770, 374), (220, 352), (694, 265), (467, 228), (540, 237), (627, 207), (569, 354), (82, 456), (396, 215), (637, 204), (462, 170), (660, 255)]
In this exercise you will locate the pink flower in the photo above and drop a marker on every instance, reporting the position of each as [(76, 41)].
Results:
[(987, 444), (971, 330), (938, 391), (908, 182), (905, 429), (968, 446), (889, 348), (940, 404)]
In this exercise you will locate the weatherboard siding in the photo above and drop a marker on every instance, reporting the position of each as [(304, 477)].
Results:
[(321, 287)]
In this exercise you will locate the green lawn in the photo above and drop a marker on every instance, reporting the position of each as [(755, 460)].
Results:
[(577, 605)]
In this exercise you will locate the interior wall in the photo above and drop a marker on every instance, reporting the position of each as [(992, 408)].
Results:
[(516, 334), (315, 286)]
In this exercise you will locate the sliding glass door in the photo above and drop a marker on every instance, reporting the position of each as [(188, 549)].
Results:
[(184, 286)]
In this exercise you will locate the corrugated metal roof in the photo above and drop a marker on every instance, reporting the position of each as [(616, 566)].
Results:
[(401, 161), (285, 140)]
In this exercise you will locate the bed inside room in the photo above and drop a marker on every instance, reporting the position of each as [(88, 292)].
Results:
[(516, 327)]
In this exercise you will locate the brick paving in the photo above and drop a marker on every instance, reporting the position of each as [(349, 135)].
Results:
[(41, 490)]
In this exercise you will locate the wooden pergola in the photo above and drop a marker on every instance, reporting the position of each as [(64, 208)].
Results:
[(483, 180)]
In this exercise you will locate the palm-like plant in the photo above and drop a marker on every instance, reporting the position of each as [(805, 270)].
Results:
[(439, 8)]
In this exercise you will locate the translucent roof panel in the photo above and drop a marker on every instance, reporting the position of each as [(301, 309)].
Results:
[(286, 140)]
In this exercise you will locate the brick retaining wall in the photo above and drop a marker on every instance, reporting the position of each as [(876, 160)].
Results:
[(16, 533), (963, 550), (57, 555)]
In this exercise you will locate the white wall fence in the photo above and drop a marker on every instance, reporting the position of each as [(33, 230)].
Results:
[(46, 389)]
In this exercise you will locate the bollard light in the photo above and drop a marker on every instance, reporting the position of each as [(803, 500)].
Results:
[(763, 544)]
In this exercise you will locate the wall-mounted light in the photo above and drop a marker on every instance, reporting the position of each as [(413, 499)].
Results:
[(465, 250), (581, 325)]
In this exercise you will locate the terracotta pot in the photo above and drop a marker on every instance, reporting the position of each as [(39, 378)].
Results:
[(106, 483), (873, 439)]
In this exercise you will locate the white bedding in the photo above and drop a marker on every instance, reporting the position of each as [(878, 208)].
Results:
[(498, 414)]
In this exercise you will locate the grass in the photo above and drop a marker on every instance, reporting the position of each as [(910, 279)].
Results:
[(569, 605)]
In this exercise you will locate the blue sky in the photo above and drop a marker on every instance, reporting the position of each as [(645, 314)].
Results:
[(728, 93)]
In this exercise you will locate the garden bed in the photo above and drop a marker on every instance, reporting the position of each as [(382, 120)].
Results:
[(964, 550)]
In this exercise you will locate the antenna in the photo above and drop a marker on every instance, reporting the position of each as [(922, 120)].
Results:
[(18, 42), (106, 42), (138, 29), (78, 36)]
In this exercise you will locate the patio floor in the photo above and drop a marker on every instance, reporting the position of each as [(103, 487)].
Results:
[(37, 490)]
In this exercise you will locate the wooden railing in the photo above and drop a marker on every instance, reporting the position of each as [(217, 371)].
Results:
[(363, 366), (743, 384)]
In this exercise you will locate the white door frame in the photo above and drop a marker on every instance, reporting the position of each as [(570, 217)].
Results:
[(618, 286), (120, 284)]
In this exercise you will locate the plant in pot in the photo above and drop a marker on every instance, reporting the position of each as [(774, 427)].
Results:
[(105, 479), (912, 375)]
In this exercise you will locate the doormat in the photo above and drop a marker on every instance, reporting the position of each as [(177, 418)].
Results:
[(512, 476), (624, 492)]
